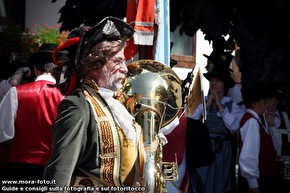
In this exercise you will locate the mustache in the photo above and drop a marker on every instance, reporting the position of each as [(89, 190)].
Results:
[(120, 76)]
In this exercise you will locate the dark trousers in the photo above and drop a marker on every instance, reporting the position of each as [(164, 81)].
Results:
[(4, 149), (23, 175), (283, 185), (234, 140), (266, 184), (23, 171)]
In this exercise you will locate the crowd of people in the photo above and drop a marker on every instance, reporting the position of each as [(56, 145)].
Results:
[(67, 126)]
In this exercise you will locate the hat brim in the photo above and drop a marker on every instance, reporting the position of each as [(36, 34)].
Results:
[(226, 79), (206, 56), (255, 93), (110, 28), (39, 59), (39, 56), (207, 75)]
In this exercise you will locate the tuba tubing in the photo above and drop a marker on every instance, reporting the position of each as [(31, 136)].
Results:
[(152, 94)]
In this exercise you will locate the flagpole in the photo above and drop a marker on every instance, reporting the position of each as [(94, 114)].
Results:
[(203, 99)]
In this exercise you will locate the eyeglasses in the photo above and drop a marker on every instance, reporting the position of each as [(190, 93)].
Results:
[(117, 60)]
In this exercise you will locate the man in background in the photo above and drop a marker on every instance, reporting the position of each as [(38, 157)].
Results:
[(277, 122), (27, 112)]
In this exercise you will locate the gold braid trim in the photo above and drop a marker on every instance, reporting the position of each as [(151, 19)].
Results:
[(110, 144)]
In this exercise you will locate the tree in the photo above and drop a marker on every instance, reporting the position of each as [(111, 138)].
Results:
[(88, 12), (261, 29)]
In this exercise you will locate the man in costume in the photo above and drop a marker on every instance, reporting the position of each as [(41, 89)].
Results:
[(95, 139), (27, 112)]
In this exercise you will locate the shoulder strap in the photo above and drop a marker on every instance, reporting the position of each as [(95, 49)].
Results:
[(286, 119), (287, 123)]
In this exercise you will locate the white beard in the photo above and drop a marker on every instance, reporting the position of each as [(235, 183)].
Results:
[(123, 117)]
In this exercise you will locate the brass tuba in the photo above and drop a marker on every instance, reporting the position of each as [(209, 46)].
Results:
[(152, 93)]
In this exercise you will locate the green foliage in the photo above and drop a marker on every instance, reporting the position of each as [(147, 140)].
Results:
[(48, 34), (18, 44)]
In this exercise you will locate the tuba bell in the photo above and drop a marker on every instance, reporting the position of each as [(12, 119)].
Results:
[(152, 93)]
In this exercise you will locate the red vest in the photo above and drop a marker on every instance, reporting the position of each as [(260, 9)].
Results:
[(267, 156), (37, 110), (175, 148)]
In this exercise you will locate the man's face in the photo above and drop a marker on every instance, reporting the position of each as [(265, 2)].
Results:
[(113, 72), (272, 103), (261, 106)]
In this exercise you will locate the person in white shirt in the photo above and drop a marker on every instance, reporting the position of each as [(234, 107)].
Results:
[(257, 158), (222, 119), (222, 60), (277, 122), (27, 112)]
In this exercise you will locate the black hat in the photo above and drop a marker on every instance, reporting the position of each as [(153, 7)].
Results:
[(222, 74), (110, 28), (81, 40), (220, 58), (69, 48), (255, 93), (78, 32), (42, 56), (275, 91)]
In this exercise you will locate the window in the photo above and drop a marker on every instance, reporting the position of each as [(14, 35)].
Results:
[(183, 49)]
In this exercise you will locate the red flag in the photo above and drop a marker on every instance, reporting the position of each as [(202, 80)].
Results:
[(140, 15), (131, 49)]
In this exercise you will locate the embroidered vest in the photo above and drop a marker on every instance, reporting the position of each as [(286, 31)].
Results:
[(37, 110), (267, 155), (117, 155)]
